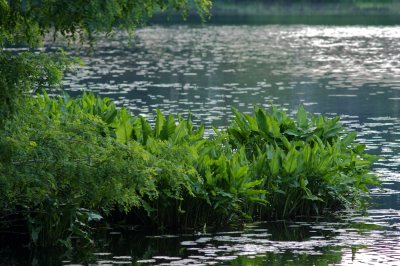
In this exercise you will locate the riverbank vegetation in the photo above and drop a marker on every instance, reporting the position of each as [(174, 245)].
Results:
[(66, 162)]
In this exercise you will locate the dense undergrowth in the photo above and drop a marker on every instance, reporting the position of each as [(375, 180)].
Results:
[(65, 162)]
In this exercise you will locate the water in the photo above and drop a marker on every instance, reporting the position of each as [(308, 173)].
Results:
[(350, 71)]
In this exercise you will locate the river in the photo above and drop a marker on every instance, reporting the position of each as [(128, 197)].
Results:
[(350, 71)]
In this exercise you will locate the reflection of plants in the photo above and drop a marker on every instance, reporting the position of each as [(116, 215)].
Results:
[(328, 257), (65, 161), (283, 231)]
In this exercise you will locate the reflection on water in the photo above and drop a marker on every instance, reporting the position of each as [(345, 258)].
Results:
[(354, 239), (351, 71)]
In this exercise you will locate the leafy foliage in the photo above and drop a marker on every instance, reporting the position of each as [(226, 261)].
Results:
[(61, 158), (307, 164), (66, 161), (27, 22), (26, 72)]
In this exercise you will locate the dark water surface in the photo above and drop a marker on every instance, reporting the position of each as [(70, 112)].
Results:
[(350, 71)]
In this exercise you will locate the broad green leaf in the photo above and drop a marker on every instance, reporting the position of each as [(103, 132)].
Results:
[(292, 132), (290, 163), (146, 130), (359, 148), (240, 172), (200, 131), (124, 128), (286, 143), (189, 124), (241, 121), (302, 121), (269, 151), (180, 133), (252, 123), (273, 127), (168, 128), (152, 145), (279, 114), (109, 117), (306, 152), (320, 121), (332, 132), (324, 164), (261, 120), (160, 120), (253, 183), (274, 165), (237, 135)]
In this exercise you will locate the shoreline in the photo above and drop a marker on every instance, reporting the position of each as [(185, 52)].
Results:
[(227, 12), (232, 19), (304, 8)]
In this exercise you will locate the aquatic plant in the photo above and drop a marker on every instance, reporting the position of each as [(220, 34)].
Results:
[(307, 163), (66, 162)]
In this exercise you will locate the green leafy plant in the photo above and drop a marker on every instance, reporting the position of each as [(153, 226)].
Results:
[(65, 162), (308, 163)]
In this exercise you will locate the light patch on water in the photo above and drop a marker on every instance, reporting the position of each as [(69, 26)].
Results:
[(342, 95), (102, 253), (146, 261), (163, 236), (122, 257)]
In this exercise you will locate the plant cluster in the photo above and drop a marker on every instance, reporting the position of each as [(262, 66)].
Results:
[(307, 164), (65, 162)]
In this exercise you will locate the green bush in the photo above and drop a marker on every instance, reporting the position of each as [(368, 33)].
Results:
[(62, 161), (65, 162)]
